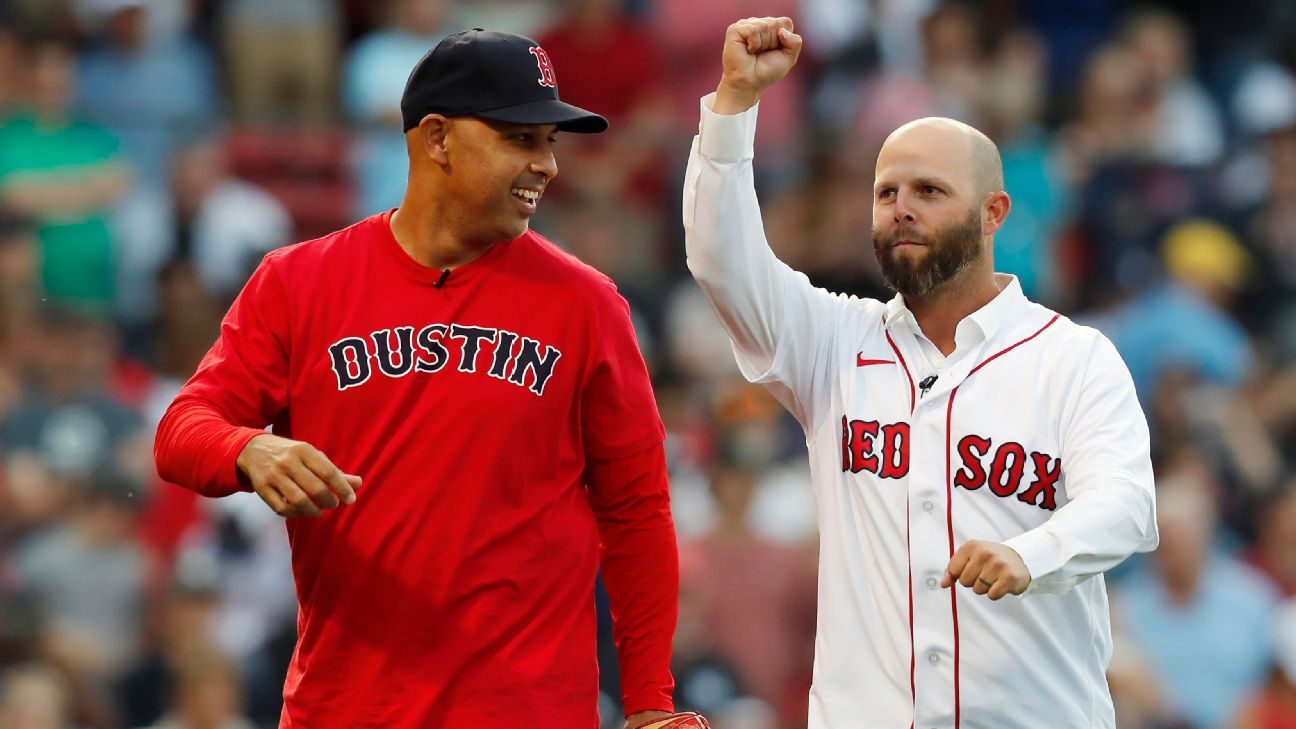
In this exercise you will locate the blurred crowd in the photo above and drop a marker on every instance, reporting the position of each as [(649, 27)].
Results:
[(151, 151)]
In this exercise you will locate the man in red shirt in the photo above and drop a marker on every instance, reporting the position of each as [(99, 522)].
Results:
[(488, 389)]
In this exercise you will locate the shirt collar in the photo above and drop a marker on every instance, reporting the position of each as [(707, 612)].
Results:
[(989, 318)]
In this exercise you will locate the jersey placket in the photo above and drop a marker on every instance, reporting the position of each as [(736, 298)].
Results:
[(934, 625)]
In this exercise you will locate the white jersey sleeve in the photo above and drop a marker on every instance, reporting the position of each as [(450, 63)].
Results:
[(1111, 512), (781, 326)]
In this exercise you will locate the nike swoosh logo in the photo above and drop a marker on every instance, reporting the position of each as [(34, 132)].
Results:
[(861, 362)]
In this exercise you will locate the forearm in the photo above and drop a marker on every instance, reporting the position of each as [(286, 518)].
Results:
[(727, 251), (640, 566), (47, 195), (1107, 468), (1096, 531), (197, 447)]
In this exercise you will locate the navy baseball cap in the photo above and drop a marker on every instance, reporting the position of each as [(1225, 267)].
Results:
[(491, 75)]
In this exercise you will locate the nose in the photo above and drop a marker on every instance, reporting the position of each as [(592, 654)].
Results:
[(545, 164), (901, 210)]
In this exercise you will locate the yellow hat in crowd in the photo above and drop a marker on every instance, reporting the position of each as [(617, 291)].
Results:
[(1205, 252)]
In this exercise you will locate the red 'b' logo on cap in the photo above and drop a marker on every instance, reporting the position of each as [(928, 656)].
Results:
[(546, 67)]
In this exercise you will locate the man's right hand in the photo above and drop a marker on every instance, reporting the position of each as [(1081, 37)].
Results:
[(294, 478), (757, 53)]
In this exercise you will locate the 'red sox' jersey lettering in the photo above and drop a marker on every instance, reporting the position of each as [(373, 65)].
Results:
[(1004, 470)]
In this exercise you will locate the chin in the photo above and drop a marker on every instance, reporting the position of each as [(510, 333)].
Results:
[(510, 230)]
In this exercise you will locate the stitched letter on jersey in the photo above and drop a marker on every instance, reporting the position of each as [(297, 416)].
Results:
[(398, 351), (868, 445), (1004, 470)]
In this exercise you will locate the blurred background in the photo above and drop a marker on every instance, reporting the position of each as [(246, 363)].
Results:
[(151, 151)]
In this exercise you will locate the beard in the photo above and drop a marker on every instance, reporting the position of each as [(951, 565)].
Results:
[(950, 249)]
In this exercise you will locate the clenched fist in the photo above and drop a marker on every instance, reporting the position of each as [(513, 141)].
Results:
[(294, 478), (757, 53), (989, 568)]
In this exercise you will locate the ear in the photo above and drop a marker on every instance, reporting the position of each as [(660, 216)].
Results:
[(994, 212), (431, 136)]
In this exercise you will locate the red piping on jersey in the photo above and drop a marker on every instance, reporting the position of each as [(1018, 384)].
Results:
[(913, 690), (949, 521), (900, 357), (949, 502)]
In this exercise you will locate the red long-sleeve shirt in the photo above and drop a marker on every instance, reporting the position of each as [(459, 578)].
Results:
[(504, 426)]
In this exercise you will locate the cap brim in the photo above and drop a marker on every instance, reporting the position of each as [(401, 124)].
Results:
[(549, 111)]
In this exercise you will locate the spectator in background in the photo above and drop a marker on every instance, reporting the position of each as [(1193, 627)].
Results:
[(758, 597), (372, 82), (1270, 227), (187, 322), (1274, 551), (614, 234), (1126, 196), (1189, 128), (147, 91), (1262, 105), (207, 695), (685, 31), (66, 422), (10, 67), (18, 277), (1185, 323), (955, 58), (175, 628), (65, 174), (1200, 618), (706, 681), (1116, 115), (1105, 137), (1010, 109), (1274, 706), (34, 697), (611, 63), (89, 576), (220, 224), (523, 17), (281, 58)]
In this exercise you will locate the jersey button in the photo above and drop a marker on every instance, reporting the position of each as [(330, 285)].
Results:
[(928, 506), (933, 659), (931, 582)]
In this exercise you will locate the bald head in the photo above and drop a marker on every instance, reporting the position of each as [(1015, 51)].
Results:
[(938, 201), (961, 151)]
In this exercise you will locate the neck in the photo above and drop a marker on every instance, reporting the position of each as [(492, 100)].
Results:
[(939, 313), (431, 235)]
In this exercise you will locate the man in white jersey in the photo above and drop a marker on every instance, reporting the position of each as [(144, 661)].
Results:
[(958, 433)]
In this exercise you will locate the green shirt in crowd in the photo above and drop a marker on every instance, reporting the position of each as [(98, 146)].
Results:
[(76, 249)]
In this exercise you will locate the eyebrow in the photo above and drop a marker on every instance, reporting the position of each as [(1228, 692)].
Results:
[(918, 182)]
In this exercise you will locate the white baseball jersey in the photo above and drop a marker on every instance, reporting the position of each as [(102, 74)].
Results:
[(1030, 435)]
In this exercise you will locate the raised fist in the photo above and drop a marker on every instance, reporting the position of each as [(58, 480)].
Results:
[(757, 53)]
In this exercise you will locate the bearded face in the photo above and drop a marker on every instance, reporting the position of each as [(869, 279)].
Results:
[(916, 265)]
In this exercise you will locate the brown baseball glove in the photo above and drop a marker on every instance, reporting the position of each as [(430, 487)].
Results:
[(681, 720)]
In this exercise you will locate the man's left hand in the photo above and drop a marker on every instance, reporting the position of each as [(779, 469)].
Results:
[(989, 568), (643, 717)]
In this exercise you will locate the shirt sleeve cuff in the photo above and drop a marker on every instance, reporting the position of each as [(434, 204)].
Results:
[(225, 472), (650, 700), (726, 137), (1040, 551)]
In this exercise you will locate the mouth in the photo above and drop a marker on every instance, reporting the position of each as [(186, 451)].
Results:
[(902, 244), (527, 198)]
